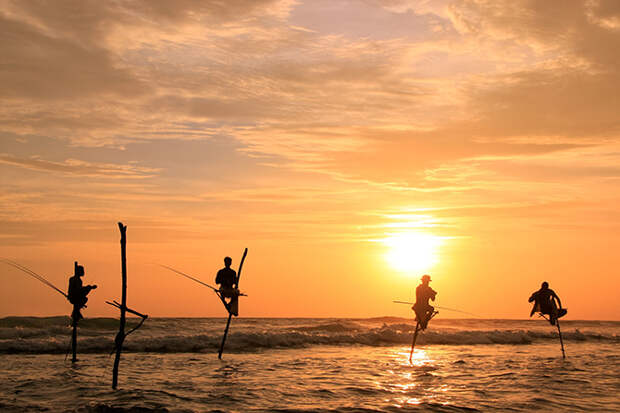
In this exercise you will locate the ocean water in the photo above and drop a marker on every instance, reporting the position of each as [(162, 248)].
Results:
[(307, 365)]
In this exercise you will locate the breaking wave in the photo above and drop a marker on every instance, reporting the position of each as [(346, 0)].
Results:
[(51, 335)]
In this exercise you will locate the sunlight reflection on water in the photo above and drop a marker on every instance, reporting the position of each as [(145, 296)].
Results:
[(412, 384), (400, 402), (333, 378), (420, 357)]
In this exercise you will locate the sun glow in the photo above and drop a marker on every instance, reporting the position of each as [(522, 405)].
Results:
[(412, 251)]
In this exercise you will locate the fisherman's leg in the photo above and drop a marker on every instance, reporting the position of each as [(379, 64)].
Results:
[(78, 308), (223, 297), (426, 317), (553, 313), (550, 317), (75, 315), (419, 315), (234, 305)]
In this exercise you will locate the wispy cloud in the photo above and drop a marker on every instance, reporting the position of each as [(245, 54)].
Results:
[(450, 101), (78, 167)]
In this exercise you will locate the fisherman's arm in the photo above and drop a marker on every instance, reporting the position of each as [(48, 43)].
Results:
[(554, 295), (532, 297)]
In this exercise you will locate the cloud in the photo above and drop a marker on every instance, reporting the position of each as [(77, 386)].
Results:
[(571, 93), (94, 21), (449, 101), (82, 168), (39, 67)]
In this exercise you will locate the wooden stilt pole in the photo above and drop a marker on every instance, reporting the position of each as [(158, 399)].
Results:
[(219, 355), (557, 323), (74, 322), (415, 337), (74, 338), (417, 330), (120, 337)]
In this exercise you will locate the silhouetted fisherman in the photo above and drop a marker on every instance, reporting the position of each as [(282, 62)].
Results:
[(227, 279), (77, 293), (545, 303), (423, 310)]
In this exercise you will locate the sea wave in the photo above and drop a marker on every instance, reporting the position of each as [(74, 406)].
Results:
[(55, 338), (144, 407), (58, 322)]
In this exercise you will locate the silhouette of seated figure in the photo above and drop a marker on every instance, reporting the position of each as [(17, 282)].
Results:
[(77, 292), (227, 280), (545, 303), (423, 310)]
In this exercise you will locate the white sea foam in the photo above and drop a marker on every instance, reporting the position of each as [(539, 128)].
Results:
[(51, 335), (310, 365)]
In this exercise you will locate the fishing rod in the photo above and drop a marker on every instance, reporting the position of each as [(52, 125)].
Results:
[(216, 290), (190, 277), (33, 275), (441, 308)]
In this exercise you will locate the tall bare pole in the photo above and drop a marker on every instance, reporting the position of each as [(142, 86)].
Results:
[(120, 337)]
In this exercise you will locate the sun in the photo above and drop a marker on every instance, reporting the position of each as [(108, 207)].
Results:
[(412, 251)]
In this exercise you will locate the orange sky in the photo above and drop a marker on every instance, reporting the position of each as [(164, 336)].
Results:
[(350, 145)]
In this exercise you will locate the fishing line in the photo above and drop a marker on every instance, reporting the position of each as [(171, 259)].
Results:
[(441, 308), (33, 275), (188, 276)]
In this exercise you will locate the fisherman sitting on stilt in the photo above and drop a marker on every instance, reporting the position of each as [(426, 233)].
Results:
[(77, 293), (227, 279), (545, 303), (423, 310)]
